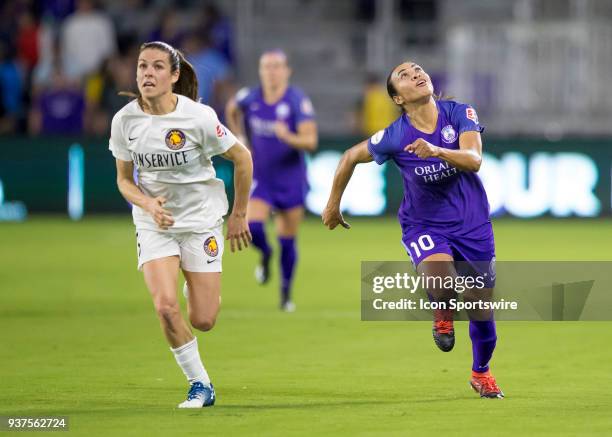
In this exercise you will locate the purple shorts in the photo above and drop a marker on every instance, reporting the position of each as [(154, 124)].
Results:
[(473, 252), (287, 196)]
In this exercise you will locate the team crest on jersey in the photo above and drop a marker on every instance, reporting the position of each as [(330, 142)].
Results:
[(449, 134), (211, 247), (282, 110), (471, 114), (175, 139)]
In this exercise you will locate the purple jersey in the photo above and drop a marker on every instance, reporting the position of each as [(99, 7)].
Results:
[(436, 194), (276, 164), (62, 111)]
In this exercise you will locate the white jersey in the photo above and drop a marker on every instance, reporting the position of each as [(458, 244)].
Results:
[(172, 154)]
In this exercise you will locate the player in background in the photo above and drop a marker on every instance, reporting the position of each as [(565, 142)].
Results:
[(444, 215), (179, 204), (278, 121)]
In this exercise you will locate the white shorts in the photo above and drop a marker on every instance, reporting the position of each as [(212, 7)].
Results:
[(198, 251)]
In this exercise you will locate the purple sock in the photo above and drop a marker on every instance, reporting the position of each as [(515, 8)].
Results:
[(288, 259), (484, 338), (259, 238)]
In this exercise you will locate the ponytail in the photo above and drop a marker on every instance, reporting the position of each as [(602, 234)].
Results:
[(187, 83)]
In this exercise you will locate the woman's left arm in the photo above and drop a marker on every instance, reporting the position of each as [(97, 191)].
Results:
[(467, 158), (237, 225)]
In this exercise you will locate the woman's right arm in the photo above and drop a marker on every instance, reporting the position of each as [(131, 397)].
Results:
[(131, 193), (235, 120), (357, 154)]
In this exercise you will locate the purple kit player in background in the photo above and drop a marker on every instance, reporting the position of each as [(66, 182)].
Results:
[(278, 120), (444, 215)]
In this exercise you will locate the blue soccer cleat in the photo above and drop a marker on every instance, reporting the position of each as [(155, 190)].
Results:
[(199, 396)]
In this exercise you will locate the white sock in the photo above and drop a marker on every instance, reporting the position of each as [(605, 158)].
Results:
[(188, 358)]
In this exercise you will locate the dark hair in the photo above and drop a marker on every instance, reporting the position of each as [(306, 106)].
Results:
[(187, 83), (276, 51), (390, 87)]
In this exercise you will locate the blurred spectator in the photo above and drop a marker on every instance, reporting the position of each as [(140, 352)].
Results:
[(59, 108), (49, 56), (377, 111), (87, 39), (118, 75), (10, 89), (219, 29), (168, 29), (27, 40), (213, 71)]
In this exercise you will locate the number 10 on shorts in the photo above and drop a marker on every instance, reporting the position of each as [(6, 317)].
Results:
[(425, 243)]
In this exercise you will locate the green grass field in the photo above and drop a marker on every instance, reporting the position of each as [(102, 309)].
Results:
[(80, 338)]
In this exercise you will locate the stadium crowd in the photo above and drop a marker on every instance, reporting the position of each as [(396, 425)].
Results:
[(63, 62)]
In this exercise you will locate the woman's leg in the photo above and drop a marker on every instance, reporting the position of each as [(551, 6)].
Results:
[(204, 298), (258, 212), (483, 331), (440, 265), (287, 225), (161, 276)]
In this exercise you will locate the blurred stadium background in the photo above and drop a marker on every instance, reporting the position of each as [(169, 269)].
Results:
[(79, 334), (536, 71)]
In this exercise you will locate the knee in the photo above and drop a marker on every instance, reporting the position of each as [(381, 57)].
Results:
[(203, 323), (167, 309)]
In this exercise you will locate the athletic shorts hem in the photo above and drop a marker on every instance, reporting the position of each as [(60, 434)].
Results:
[(214, 267), (142, 261), (276, 206)]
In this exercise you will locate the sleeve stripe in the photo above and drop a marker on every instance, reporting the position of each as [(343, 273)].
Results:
[(377, 158)]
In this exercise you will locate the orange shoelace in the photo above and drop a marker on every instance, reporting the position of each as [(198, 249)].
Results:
[(488, 384), (444, 326)]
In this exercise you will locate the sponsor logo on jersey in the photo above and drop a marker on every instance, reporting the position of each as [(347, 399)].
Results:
[(159, 160), (220, 131), (211, 247), (449, 134), (175, 139), (375, 139), (435, 173), (471, 114), (282, 111), (262, 127)]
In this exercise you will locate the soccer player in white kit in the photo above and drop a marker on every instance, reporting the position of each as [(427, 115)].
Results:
[(178, 203)]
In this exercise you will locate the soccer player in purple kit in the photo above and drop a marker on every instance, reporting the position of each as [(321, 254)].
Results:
[(444, 215), (277, 122)]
